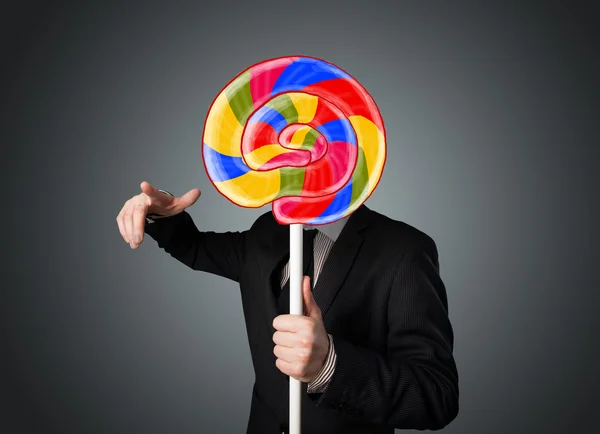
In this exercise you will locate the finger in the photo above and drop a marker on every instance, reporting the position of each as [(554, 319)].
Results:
[(150, 190), (286, 339), (121, 225), (128, 219), (188, 199), (290, 323), (139, 219), (311, 309), (155, 195), (287, 368), (285, 353)]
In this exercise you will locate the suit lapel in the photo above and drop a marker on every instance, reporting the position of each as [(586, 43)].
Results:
[(276, 250), (340, 259)]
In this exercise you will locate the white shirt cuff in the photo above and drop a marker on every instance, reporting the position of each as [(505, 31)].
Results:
[(320, 382)]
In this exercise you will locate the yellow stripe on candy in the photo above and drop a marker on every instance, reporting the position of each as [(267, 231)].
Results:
[(298, 138), (223, 132), (372, 142), (306, 106), (253, 189), (260, 156)]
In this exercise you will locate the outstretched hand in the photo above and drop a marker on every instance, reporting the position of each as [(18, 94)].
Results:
[(132, 217)]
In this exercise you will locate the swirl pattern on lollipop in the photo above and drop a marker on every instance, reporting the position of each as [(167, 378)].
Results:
[(298, 132)]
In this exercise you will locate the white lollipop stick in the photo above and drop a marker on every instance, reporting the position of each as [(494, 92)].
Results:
[(296, 308)]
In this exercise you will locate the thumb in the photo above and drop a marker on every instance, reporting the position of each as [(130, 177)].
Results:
[(311, 308), (188, 199)]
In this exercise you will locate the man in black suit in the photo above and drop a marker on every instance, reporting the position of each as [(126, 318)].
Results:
[(374, 348)]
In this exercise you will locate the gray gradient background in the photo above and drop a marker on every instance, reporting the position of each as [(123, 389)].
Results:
[(492, 116)]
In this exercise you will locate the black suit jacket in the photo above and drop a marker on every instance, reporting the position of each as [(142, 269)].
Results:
[(382, 300)]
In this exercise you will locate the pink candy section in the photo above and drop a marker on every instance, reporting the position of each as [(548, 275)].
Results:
[(297, 158), (263, 77), (319, 149), (288, 132)]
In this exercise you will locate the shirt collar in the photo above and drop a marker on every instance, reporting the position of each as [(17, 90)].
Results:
[(331, 230)]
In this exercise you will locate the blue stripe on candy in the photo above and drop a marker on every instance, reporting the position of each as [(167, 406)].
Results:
[(337, 207), (339, 130), (222, 167), (304, 72), (269, 116)]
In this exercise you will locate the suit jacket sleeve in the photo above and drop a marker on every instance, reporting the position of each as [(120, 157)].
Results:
[(415, 384), (217, 253)]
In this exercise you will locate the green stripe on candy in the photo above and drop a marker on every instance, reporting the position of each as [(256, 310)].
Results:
[(310, 139), (284, 105), (292, 181), (360, 178), (240, 98)]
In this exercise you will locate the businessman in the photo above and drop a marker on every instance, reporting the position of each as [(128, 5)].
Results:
[(373, 349)]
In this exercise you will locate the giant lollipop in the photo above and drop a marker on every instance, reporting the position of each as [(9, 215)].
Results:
[(302, 134)]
